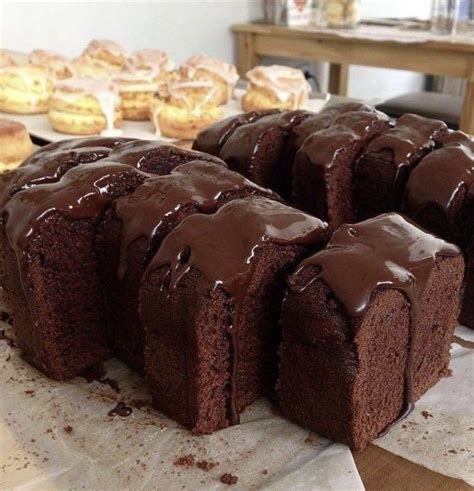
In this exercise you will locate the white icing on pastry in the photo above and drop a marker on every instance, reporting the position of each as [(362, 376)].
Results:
[(150, 59)]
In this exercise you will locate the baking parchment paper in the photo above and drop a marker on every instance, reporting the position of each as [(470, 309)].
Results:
[(59, 436)]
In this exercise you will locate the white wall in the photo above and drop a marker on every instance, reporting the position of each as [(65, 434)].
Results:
[(179, 27)]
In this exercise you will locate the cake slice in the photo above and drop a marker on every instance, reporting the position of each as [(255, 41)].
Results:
[(257, 150), (210, 301), (157, 157), (212, 139), (367, 325), (439, 196), (324, 165), (382, 171), (134, 227), (51, 266)]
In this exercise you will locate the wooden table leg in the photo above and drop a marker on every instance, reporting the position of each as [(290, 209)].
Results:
[(467, 116), (338, 78), (246, 56)]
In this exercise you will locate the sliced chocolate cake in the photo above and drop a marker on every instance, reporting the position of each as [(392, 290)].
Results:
[(157, 157), (381, 173), (135, 226), (210, 302), (440, 197), (323, 167), (367, 325), (51, 266), (257, 150), (212, 139)]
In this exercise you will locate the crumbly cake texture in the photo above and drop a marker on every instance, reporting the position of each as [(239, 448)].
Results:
[(210, 302), (135, 226), (440, 197), (51, 268), (367, 325)]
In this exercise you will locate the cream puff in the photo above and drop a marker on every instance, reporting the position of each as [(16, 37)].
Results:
[(180, 109), (82, 106), (89, 68), (153, 60), (6, 59), (25, 89), (275, 87), (15, 144), (58, 65), (223, 75), (105, 52)]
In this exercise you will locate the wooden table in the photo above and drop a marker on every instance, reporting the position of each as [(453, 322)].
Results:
[(436, 56)]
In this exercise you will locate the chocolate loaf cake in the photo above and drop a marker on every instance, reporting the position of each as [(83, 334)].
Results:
[(136, 224), (51, 266), (212, 139), (157, 157), (439, 196), (210, 301), (381, 173), (323, 167), (367, 325), (257, 150)]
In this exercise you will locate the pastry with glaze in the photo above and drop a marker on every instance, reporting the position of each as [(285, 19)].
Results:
[(153, 60), (6, 59), (275, 86), (180, 109), (223, 75), (15, 144), (106, 53), (25, 89), (58, 65), (81, 106)]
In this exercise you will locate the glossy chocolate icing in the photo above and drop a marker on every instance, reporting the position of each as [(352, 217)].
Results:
[(388, 251), (157, 157), (222, 247), (411, 136), (212, 139), (83, 192), (440, 177), (202, 184), (240, 149)]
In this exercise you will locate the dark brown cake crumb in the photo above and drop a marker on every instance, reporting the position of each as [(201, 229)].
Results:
[(229, 479), (121, 409), (265, 472), (206, 465), (8, 339), (426, 414), (111, 383), (68, 429), (185, 461)]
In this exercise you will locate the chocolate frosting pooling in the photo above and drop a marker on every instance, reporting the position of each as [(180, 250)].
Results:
[(388, 251), (143, 212), (222, 246)]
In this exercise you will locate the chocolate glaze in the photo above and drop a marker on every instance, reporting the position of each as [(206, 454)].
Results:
[(143, 213), (411, 137), (440, 178), (222, 247), (83, 192), (388, 251), (240, 149), (212, 139), (157, 157)]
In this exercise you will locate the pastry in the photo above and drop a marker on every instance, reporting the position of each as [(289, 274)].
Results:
[(58, 65), (180, 109), (153, 60), (6, 59), (275, 87), (105, 52), (223, 75), (25, 89), (15, 144), (81, 106), (89, 68)]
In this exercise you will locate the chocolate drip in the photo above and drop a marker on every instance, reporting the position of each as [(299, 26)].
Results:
[(241, 147), (222, 246), (411, 138), (443, 179), (157, 157), (212, 139), (388, 251), (82, 193), (144, 212)]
